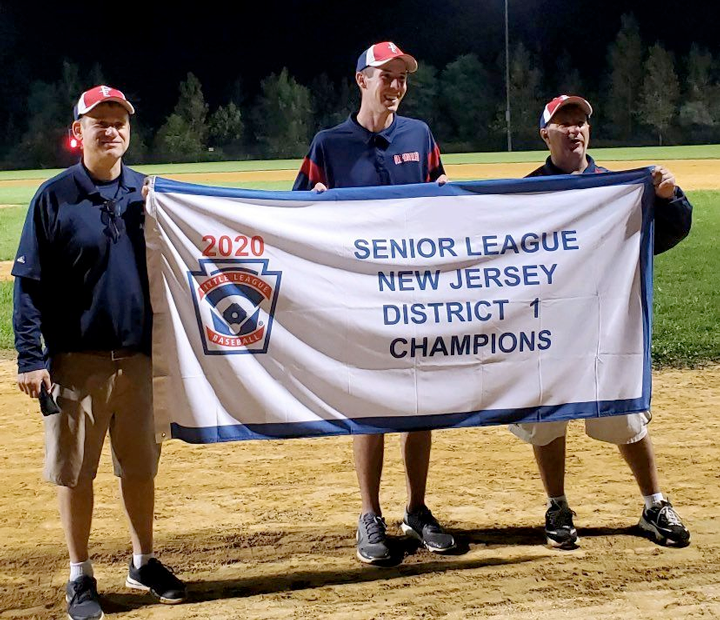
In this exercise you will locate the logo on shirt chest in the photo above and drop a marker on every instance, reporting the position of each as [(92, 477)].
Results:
[(234, 304), (404, 158)]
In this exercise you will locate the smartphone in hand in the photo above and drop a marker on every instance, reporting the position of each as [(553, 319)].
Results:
[(48, 406)]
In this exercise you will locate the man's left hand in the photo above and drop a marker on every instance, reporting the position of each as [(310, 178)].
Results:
[(442, 179), (664, 182), (145, 190)]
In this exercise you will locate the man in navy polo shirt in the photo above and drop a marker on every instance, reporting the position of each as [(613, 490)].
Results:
[(81, 288), (378, 147), (565, 129), (374, 146)]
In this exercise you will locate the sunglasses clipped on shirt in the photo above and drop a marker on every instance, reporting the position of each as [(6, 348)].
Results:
[(112, 218)]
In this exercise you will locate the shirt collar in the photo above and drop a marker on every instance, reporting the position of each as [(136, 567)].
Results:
[(591, 167), (552, 169), (387, 134), (87, 185)]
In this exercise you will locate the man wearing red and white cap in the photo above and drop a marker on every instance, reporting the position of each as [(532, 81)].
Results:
[(81, 290), (90, 99), (374, 146), (565, 128), (378, 147)]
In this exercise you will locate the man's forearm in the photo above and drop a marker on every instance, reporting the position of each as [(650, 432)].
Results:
[(27, 325), (673, 219)]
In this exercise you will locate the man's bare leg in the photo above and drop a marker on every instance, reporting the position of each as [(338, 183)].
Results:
[(76, 509), (416, 456), (560, 531), (640, 456), (551, 465), (138, 497), (369, 451)]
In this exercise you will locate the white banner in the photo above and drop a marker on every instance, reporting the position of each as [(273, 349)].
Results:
[(287, 314)]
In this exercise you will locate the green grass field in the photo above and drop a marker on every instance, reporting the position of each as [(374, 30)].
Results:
[(11, 223), (687, 296), (6, 332), (687, 299), (26, 182)]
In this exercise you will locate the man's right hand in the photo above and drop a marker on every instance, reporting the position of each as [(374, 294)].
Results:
[(319, 187), (30, 382)]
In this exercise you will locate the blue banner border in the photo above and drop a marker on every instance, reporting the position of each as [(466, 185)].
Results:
[(375, 425), (419, 190)]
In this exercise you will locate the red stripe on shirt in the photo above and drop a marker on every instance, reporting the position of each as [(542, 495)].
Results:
[(433, 164), (313, 172)]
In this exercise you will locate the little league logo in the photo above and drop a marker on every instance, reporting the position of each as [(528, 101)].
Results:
[(234, 304)]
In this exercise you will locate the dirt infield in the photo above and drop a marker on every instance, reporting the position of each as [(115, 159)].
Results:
[(265, 529)]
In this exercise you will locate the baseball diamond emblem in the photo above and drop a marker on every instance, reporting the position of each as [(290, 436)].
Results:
[(234, 304)]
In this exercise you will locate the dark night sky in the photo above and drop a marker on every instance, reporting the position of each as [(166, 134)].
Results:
[(147, 48)]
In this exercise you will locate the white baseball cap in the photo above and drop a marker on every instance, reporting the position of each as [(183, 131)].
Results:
[(101, 94), (560, 102)]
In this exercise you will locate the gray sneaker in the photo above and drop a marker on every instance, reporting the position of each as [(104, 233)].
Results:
[(423, 526), (82, 599), (157, 579), (371, 539)]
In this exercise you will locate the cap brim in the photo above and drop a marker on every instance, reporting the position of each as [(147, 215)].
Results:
[(123, 102), (583, 104), (409, 61)]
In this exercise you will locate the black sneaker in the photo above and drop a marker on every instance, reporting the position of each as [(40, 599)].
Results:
[(157, 579), (82, 598), (423, 526), (371, 539), (663, 524), (559, 529)]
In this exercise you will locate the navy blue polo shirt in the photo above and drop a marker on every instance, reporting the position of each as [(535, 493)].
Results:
[(80, 274), (348, 155), (673, 217)]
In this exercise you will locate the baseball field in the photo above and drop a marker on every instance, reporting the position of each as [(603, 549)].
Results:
[(266, 530)]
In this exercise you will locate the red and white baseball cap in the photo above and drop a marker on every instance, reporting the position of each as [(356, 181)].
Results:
[(101, 94), (382, 53), (561, 101)]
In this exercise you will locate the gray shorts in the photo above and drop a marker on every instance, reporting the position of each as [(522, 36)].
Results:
[(617, 429), (97, 394)]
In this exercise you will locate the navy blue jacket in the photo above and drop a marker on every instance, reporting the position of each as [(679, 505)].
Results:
[(80, 274), (348, 155), (673, 217)]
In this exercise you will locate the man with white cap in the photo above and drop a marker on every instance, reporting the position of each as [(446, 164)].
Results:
[(378, 147), (81, 289), (565, 128)]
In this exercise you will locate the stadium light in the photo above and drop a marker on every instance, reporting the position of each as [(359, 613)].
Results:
[(507, 81), (73, 143)]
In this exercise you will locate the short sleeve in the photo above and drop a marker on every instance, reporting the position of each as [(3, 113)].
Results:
[(434, 164), (312, 170)]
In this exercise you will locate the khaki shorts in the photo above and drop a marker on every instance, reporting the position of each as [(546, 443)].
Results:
[(617, 429), (97, 394)]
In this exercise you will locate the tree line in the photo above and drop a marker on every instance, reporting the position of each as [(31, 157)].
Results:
[(646, 96)]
